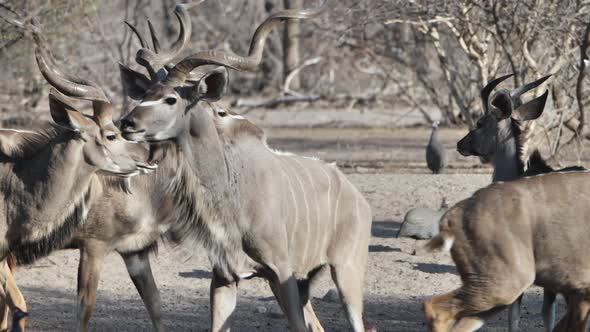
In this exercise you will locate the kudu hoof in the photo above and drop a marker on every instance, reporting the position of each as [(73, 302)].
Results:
[(370, 328), (19, 319)]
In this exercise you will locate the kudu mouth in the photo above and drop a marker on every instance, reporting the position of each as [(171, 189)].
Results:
[(463, 147)]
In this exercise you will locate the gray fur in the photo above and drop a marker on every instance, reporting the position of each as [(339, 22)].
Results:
[(257, 211)]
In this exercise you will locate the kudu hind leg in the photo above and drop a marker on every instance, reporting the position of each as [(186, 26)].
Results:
[(140, 271), (459, 311), (311, 319), (91, 259), (576, 317), (349, 282), (223, 298), (549, 309)]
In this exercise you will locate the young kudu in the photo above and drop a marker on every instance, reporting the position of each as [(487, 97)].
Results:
[(48, 182), (127, 217), (503, 140), (257, 212), (510, 235)]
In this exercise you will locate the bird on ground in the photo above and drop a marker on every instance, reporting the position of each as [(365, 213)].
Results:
[(436, 155)]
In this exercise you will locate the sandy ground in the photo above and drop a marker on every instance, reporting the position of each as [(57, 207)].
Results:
[(389, 169)]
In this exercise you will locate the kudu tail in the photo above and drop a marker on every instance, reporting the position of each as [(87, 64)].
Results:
[(441, 242)]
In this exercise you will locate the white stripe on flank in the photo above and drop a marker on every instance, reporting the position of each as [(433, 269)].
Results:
[(317, 205), (329, 207), (306, 210), (151, 102), (358, 217), (286, 176), (336, 206)]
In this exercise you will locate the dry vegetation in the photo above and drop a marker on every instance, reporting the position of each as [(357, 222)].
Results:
[(427, 56)]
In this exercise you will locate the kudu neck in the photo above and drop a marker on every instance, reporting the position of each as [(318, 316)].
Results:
[(58, 173), (507, 166), (203, 151)]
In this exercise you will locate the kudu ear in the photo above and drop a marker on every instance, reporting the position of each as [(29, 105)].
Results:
[(501, 105), (532, 109), (64, 114), (135, 83), (212, 86)]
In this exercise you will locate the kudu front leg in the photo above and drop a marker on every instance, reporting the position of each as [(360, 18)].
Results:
[(288, 295), (311, 320), (91, 259), (140, 271), (223, 297), (12, 299), (549, 309), (514, 315)]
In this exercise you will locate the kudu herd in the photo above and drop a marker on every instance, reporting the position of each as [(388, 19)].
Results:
[(209, 177)]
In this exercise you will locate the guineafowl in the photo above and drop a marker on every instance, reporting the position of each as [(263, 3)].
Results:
[(422, 223), (436, 155)]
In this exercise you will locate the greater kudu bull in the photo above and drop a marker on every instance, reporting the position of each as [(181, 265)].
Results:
[(258, 212), (510, 235), (48, 183), (502, 137)]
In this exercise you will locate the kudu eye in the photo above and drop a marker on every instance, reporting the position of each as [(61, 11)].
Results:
[(170, 100), (112, 137), (222, 113)]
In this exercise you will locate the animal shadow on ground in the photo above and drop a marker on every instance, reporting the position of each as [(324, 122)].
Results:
[(435, 268), (197, 274), (385, 228), (382, 248), (55, 309)]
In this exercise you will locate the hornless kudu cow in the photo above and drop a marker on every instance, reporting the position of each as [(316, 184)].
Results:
[(257, 212), (48, 182), (503, 139), (510, 235)]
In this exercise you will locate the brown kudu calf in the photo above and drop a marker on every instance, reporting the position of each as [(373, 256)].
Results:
[(257, 212), (503, 139)]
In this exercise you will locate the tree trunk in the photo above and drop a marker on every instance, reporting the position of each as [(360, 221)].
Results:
[(291, 44)]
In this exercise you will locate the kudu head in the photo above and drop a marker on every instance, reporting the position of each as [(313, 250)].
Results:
[(502, 113), (169, 94), (103, 147)]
